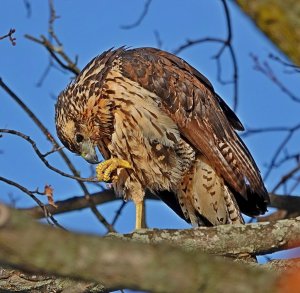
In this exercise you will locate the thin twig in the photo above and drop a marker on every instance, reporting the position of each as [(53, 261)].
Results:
[(27, 7), (52, 18), (10, 36), (54, 150), (252, 131), (42, 157), (280, 149), (53, 50), (140, 19), (225, 44), (286, 177), (282, 62), (51, 37), (46, 212), (266, 69), (189, 43), (228, 44), (74, 203), (159, 42), (118, 213)]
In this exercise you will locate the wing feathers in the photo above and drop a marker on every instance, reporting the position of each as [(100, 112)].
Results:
[(203, 118)]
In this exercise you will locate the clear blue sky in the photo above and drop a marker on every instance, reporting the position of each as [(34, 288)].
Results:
[(87, 28)]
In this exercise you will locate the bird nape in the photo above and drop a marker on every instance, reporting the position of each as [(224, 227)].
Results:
[(161, 127)]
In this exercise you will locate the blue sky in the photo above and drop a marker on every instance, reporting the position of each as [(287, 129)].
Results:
[(86, 29)]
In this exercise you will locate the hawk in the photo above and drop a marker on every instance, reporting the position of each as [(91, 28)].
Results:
[(161, 127)]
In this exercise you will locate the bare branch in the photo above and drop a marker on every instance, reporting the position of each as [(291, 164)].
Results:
[(52, 18), (286, 177), (140, 19), (54, 51), (27, 7), (286, 64), (119, 212), (225, 44), (44, 209), (252, 131), (188, 43), (228, 44), (291, 204), (266, 69), (74, 203), (159, 42), (42, 157), (52, 37), (10, 36), (285, 202)]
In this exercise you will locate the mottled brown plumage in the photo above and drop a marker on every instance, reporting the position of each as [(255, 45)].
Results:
[(153, 111)]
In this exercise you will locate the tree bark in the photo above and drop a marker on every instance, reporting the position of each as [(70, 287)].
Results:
[(226, 240), (17, 281)]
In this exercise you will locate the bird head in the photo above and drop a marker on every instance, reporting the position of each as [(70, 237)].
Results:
[(74, 129)]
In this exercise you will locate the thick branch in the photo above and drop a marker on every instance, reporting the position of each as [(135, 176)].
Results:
[(285, 202), (32, 246), (227, 240)]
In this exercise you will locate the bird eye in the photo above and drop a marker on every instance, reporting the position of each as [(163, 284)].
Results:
[(79, 138)]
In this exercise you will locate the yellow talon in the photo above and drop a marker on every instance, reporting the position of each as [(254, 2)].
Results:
[(106, 168)]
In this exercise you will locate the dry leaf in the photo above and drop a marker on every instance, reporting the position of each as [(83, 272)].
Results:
[(48, 191)]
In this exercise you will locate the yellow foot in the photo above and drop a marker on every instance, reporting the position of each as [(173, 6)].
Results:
[(106, 168)]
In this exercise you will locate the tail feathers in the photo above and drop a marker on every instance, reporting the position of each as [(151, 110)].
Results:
[(234, 214), (205, 199)]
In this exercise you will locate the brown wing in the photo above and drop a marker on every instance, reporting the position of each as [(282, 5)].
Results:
[(203, 118)]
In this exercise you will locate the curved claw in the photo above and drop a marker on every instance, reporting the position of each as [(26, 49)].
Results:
[(106, 168)]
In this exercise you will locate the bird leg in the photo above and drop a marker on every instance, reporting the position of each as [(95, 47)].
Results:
[(106, 168), (139, 215)]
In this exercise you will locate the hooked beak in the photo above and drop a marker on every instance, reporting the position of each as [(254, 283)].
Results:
[(88, 152)]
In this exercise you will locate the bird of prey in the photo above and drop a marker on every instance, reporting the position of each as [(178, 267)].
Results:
[(161, 127)]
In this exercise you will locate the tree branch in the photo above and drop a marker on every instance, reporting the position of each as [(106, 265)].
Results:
[(140, 19), (18, 281), (73, 204), (226, 43), (226, 240), (283, 202), (54, 51), (9, 35), (42, 156), (41, 206), (32, 246)]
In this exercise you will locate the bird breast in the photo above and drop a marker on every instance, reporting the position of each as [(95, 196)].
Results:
[(144, 135)]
